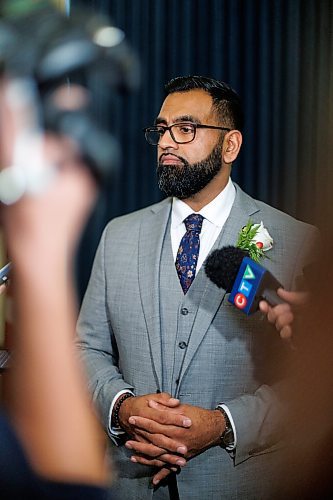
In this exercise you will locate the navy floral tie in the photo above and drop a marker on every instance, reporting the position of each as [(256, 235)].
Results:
[(188, 251)]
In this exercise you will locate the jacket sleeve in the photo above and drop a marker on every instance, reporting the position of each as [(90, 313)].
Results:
[(96, 341)]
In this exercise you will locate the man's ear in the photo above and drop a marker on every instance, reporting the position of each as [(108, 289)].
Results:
[(231, 145)]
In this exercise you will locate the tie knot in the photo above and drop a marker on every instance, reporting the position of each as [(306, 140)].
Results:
[(193, 223)]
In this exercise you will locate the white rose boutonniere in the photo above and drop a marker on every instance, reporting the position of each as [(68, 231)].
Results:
[(255, 239), (262, 238)]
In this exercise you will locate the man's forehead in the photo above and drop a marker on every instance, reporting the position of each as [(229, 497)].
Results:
[(194, 103)]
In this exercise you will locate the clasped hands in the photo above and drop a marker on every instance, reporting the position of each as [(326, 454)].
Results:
[(166, 433)]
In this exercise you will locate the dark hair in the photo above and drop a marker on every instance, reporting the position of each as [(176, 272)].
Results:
[(225, 100)]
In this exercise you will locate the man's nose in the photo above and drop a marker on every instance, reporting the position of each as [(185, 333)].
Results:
[(166, 141)]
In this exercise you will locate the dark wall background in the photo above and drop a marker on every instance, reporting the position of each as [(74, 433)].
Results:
[(278, 55)]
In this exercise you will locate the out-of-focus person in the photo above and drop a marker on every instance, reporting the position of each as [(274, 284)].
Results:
[(309, 425), (52, 150), (51, 445)]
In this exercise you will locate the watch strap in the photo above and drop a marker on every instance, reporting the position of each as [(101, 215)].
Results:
[(227, 437)]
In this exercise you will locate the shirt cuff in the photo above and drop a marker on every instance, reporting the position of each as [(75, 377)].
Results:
[(232, 446)]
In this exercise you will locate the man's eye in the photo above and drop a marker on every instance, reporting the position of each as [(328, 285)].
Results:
[(160, 130), (185, 129)]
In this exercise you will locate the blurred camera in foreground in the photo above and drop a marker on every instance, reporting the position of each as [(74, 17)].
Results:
[(53, 65)]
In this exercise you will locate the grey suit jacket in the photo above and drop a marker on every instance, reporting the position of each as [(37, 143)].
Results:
[(230, 358)]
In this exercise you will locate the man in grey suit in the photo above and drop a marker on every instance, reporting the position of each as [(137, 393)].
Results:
[(189, 389)]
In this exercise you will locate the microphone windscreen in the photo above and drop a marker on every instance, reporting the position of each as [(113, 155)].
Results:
[(223, 264)]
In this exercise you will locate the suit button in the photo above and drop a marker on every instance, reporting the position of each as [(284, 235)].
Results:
[(182, 345), (184, 311)]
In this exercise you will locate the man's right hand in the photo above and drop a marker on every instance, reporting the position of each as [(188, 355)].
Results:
[(159, 447)]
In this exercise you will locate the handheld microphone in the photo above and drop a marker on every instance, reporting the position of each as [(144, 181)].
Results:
[(247, 281)]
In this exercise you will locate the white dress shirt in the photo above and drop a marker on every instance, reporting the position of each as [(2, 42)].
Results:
[(215, 214)]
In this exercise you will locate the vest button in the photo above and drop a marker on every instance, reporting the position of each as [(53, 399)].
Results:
[(182, 345), (184, 311)]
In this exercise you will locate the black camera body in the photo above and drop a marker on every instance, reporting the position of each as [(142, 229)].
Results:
[(51, 53)]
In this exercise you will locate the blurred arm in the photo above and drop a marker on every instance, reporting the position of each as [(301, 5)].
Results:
[(50, 409)]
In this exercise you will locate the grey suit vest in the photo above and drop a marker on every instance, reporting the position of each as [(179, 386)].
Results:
[(177, 315)]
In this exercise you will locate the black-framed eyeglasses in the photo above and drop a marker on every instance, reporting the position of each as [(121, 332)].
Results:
[(181, 133)]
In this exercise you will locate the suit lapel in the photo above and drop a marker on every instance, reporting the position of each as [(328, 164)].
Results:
[(243, 209), (207, 296), (152, 233)]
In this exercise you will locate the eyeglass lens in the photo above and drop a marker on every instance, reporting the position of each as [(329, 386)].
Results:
[(180, 132)]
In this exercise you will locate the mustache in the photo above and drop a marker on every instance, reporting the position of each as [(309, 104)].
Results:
[(171, 154)]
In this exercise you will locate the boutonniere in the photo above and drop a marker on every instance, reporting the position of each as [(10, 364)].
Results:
[(255, 239)]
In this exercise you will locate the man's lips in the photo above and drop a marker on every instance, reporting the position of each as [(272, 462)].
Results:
[(167, 159)]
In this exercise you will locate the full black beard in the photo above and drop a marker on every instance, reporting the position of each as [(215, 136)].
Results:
[(187, 180)]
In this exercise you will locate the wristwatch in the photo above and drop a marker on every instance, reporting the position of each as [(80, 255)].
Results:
[(227, 437)]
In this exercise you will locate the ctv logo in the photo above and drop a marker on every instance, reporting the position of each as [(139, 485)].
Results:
[(244, 288)]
